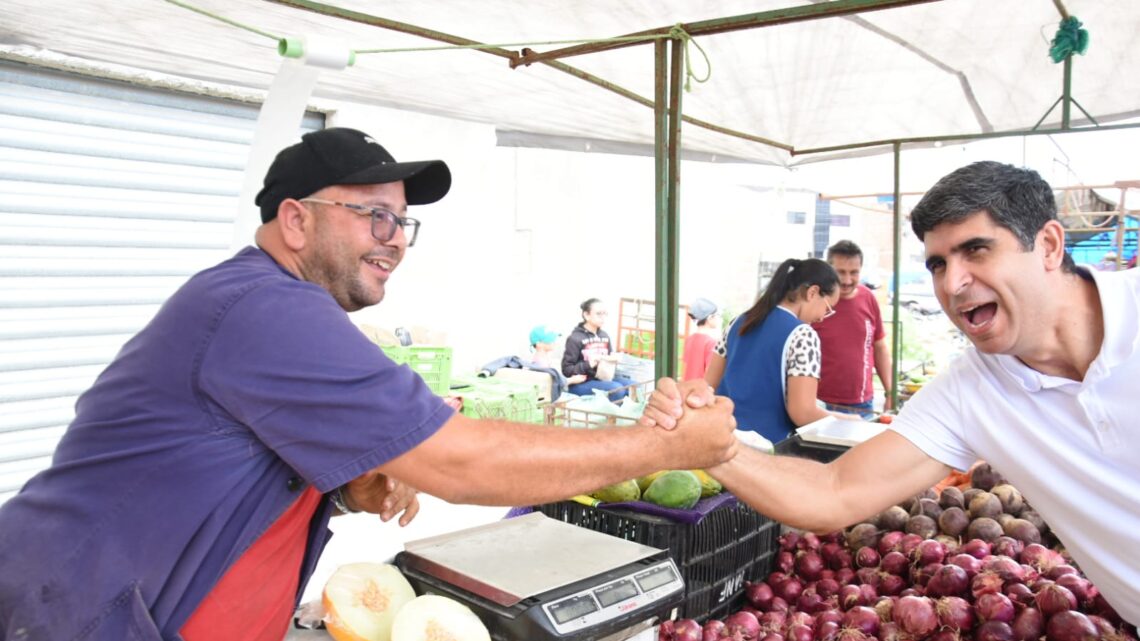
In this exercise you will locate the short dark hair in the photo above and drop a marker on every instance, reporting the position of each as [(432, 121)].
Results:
[(845, 248)]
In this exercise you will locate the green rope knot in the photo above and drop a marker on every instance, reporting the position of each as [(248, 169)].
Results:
[(1070, 38), (677, 32)]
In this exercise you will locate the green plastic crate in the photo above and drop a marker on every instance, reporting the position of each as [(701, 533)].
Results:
[(433, 364), (498, 399)]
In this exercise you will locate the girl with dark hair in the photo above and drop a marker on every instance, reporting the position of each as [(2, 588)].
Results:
[(586, 347), (768, 361)]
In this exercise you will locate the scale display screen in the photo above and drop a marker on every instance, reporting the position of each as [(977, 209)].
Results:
[(573, 608), (655, 578), (616, 591)]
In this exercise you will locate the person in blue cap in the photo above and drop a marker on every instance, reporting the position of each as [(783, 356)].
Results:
[(542, 343)]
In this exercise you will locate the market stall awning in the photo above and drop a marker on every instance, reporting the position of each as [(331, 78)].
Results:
[(950, 67)]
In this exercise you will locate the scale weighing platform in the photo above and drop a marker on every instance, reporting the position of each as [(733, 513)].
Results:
[(533, 578)]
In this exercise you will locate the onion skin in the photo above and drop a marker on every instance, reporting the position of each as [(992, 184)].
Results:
[(1053, 599), (1070, 626), (916, 616), (955, 613), (994, 606), (712, 630), (993, 631), (1028, 625)]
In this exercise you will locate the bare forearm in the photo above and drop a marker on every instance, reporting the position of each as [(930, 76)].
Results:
[(498, 463)]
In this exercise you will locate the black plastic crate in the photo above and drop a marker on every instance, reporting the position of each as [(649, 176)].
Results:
[(716, 556), (796, 446)]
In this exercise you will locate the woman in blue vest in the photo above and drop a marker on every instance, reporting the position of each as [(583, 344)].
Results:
[(768, 361)]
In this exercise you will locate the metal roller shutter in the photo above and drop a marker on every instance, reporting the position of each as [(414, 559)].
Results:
[(111, 196)]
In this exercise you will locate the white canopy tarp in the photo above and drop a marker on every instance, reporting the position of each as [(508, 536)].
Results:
[(951, 67)]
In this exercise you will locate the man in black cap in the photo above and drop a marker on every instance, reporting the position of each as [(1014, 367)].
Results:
[(190, 496)]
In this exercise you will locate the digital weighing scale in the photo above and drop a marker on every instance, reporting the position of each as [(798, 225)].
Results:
[(533, 578)]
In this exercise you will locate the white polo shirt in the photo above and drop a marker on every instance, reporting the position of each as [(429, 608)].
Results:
[(1072, 448)]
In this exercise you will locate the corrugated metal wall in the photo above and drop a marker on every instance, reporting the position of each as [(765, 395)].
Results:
[(111, 196)]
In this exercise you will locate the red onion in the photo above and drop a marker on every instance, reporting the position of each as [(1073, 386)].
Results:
[(971, 564), (801, 618), (1053, 599), (1031, 574), (976, 548), (986, 583), (827, 587), (810, 601), (852, 634), (809, 542), (788, 540), (916, 616), (845, 575), (1060, 570), (1020, 594), (744, 625), (789, 589), (829, 552), (920, 575), (1070, 626), (894, 563), (773, 621), (712, 630), (867, 557), (829, 616), (1080, 587), (1041, 557), (665, 630), (809, 565), (890, 631), (863, 619), (827, 631), (929, 551), (949, 581), (993, 631), (885, 608), (955, 612), (844, 559), (946, 634), (891, 584), (1104, 628), (799, 633), (850, 596), (759, 594), (867, 576), (1028, 625), (778, 605), (771, 636), (993, 606), (890, 542), (832, 537), (1005, 567), (827, 574), (775, 578), (868, 594), (908, 543), (1008, 546), (912, 591), (1101, 607), (686, 630), (785, 562)]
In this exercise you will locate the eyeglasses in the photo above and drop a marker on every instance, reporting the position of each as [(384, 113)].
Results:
[(384, 222), (830, 311)]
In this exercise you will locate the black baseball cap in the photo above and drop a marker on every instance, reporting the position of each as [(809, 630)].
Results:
[(343, 156)]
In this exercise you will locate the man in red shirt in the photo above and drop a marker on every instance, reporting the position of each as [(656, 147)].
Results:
[(852, 340)]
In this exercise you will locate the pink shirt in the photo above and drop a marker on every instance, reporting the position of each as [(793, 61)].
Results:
[(847, 342)]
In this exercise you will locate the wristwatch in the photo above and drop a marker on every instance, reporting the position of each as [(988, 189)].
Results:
[(337, 499)]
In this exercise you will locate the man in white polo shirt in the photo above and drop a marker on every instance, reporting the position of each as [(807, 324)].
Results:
[(1049, 394)]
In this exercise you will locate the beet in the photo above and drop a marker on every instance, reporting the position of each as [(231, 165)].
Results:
[(862, 535), (916, 616), (1070, 626), (1033, 517), (1028, 625), (949, 581), (951, 497), (929, 507), (953, 521), (1022, 530), (984, 504), (993, 631), (1004, 519), (968, 495), (954, 612), (893, 518), (1011, 499), (984, 477), (984, 528), (921, 525)]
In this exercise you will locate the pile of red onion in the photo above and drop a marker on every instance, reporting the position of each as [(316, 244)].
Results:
[(875, 584)]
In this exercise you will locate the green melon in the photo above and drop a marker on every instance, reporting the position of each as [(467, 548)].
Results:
[(676, 488)]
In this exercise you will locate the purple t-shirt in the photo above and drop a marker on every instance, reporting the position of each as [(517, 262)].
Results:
[(248, 386)]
